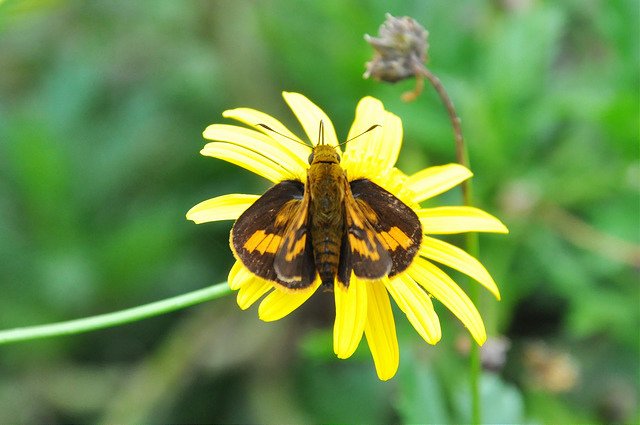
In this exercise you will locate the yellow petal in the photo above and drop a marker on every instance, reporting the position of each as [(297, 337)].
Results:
[(380, 331), (251, 291), (441, 286), (249, 160), (448, 220), (310, 115), (259, 143), (351, 315), (281, 302), (454, 257), (377, 150), (253, 117), (433, 181), (238, 276), (225, 207), (417, 305)]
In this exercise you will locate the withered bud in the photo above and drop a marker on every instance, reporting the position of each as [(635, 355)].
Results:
[(400, 49)]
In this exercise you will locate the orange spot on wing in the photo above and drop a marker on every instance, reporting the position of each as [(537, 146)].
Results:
[(263, 242), (388, 242), (400, 237), (289, 210), (273, 246), (367, 211), (355, 243), (353, 214), (295, 247), (252, 243), (360, 246)]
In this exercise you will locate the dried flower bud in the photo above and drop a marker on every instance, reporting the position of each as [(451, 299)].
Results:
[(401, 49)]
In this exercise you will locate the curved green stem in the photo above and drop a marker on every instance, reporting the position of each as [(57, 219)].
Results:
[(473, 248), (108, 320), (471, 242)]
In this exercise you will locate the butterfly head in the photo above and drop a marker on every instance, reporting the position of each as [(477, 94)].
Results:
[(324, 154)]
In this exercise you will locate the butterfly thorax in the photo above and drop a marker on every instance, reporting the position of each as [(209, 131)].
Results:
[(327, 182)]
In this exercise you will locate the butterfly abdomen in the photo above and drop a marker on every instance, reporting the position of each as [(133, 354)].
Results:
[(326, 213), (327, 257)]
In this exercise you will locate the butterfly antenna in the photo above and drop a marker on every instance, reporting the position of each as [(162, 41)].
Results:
[(321, 133), (364, 132), (280, 134)]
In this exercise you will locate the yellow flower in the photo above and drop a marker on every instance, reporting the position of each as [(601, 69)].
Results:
[(364, 307)]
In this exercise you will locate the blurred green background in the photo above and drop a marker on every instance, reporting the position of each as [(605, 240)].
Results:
[(102, 105)]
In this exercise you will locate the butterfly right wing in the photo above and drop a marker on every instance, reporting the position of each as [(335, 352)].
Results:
[(362, 252), (395, 224), (270, 237)]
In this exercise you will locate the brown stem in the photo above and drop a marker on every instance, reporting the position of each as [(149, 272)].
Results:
[(461, 152)]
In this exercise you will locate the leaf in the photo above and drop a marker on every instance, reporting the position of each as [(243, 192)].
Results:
[(420, 394), (500, 401)]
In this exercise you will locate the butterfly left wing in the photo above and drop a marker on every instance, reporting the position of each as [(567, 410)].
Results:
[(294, 263), (397, 230), (276, 221)]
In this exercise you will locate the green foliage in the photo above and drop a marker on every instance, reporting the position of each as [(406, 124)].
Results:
[(102, 106)]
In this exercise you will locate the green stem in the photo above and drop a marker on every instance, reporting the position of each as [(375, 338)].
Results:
[(473, 248), (471, 241), (108, 320), (472, 244), (475, 364)]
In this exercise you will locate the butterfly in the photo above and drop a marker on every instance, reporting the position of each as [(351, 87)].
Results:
[(326, 227)]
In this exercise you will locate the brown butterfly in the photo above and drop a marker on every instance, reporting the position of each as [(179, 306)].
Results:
[(327, 226)]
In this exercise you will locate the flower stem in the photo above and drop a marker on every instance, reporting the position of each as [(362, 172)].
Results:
[(461, 151), (107, 320), (471, 241), (473, 248), (475, 364)]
